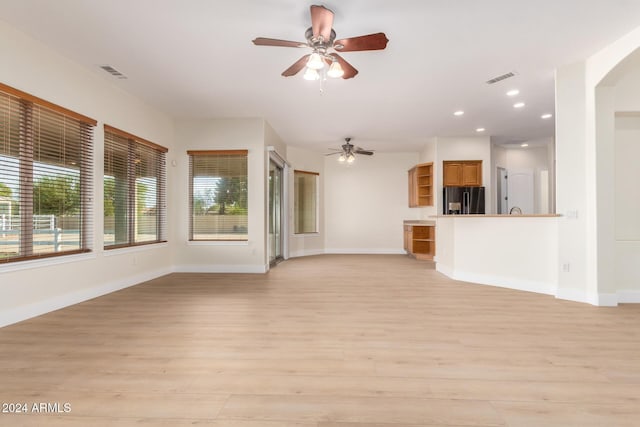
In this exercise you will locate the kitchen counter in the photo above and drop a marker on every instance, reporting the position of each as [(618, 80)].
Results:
[(512, 251), (498, 216)]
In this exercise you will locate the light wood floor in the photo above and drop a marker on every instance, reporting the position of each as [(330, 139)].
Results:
[(325, 341)]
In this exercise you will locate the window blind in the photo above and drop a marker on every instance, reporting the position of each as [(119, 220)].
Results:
[(134, 190), (305, 203), (46, 161), (218, 195)]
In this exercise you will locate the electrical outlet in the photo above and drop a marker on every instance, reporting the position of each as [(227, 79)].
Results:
[(566, 267)]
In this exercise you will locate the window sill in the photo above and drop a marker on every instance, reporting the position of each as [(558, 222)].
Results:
[(218, 243), (136, 248), (45, 262), (314, 234)]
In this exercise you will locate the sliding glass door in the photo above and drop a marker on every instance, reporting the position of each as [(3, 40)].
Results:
[(276, 214)]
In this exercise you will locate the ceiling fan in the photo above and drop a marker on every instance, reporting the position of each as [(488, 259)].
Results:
[(321, 38), (348, 151)]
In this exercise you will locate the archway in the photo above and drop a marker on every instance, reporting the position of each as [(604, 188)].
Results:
[(617, 147)]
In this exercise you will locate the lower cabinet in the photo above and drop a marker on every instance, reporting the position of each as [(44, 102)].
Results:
[(420, 241)]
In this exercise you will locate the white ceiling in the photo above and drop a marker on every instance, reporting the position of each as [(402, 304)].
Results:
[(194, 58)]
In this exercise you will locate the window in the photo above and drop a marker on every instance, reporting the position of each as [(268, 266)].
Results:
[(45, 178), (218, 195), (134, 190), (305, 202)]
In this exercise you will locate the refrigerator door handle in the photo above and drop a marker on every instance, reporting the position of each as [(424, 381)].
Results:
[(465, 202)]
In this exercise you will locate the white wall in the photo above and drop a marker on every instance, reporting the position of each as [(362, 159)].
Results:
[(576, 233), (585, 135), (627, 178), (514, 252), (309, 161), (33, 287), (222, 134), (366, 202), (627, 203)]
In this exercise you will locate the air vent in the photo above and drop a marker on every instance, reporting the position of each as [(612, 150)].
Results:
[(500, 78), (109, 69)]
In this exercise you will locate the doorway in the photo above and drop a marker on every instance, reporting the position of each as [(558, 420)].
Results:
[(520, 191), (277, 208)]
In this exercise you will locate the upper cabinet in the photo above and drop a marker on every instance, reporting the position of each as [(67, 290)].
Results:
[(421, 185), (462, 173)]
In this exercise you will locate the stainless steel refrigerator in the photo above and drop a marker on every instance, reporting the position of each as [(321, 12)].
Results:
[(463, 200)]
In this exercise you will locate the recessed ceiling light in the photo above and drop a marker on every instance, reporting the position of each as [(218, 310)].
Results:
[(518, 105), (513, 92), (524, 145), (546, 116), (458, 113), (480, 130)]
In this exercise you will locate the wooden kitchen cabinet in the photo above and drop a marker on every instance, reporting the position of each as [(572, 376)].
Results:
[(421, 185), (420, 241), (462, 173)]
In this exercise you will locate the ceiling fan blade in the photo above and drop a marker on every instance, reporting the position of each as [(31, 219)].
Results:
[(263, 41), (365, 152), (377, 41), (296, 67), (349, 71), (331, 154), (321, 21)]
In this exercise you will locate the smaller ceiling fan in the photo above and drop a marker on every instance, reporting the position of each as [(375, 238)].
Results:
[(321, 38), (348, 152)]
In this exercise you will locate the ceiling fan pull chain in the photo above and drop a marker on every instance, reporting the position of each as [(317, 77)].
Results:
[(323, 78)]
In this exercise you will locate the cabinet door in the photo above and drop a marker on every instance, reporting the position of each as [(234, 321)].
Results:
[(408, 238), (452, 174), (413, 190), (472, 174)]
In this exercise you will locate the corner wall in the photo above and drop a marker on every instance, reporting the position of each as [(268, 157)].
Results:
[(366, 203), (307, 244), (222, 134), (30, 288), (585, 156)]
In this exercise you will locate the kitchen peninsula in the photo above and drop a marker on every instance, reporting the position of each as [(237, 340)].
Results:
[(512, 251)]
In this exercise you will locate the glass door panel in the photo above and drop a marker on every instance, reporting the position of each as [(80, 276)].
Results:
[(275, 212)]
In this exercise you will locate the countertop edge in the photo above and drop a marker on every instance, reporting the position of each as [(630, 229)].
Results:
[(498, 216), (419, 222)]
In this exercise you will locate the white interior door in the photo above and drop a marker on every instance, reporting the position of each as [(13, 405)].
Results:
[(520, 191)]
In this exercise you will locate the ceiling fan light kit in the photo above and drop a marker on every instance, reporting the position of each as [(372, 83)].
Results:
[(348, 152), (321, 40)]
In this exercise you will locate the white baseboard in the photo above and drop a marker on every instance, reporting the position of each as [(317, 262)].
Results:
[(578, 295), (575, 295), (444, 269), (628, 297), (215, 268), (365, 251), (607, 300), (505, 282), (25, 312), (302, 253)]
